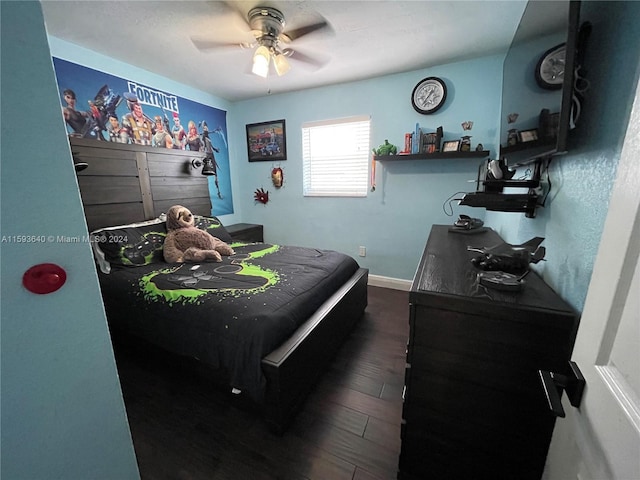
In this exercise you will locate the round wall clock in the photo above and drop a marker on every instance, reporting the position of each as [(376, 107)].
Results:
[(428, 95), (550, 68)]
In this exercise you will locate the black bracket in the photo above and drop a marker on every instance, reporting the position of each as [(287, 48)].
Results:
[(554, 383)]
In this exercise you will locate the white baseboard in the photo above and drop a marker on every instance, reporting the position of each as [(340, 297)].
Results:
[(388, 282)]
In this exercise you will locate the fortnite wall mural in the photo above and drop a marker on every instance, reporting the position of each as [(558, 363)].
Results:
[(99, 106)]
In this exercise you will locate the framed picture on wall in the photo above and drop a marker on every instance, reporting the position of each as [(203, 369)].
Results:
[(267, 141)]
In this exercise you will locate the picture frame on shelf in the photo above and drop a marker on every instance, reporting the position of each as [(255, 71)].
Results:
[(528, 135), (267, 141), (451, 146)]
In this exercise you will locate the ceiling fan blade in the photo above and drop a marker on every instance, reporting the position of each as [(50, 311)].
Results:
[(232, 7), (233, 16), (202, 44), (291, 35), (298, 56)]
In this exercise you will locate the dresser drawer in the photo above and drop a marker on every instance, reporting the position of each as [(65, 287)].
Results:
[(518, 377), (542, 342), (445, 452)]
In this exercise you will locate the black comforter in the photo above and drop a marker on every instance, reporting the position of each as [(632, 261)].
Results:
[(228, 314)]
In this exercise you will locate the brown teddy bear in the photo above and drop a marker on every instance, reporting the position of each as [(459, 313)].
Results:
[(187, 243)]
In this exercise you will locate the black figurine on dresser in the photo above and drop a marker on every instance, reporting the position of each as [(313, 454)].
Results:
[(474, 407)]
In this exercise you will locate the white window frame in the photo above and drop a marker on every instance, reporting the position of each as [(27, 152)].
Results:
[(342, 171)]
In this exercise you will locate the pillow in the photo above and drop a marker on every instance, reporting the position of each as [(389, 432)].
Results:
[(141, 243), (129, 245), (213, 226)]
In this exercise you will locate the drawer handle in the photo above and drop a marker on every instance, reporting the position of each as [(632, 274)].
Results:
[(554, 383)]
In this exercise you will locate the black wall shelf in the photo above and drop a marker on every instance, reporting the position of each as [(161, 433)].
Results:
[(519, 147), (432, 156), (503, 202), (511, 183)]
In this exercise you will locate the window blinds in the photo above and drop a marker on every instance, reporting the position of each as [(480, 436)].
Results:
[(336, 157)]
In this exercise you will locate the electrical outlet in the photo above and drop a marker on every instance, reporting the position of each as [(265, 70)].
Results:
[(362, 251)]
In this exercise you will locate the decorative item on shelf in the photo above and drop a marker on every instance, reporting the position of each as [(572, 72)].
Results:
[(465, 143), (528, 135), (479, 148), (277, 177), (451, 146), (386, 149), (468, 125), (261, 196), (512, 137)]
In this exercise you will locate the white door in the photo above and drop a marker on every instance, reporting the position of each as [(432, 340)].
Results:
[(606, 427)]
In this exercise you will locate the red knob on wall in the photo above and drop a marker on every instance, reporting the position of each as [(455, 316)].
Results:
[(44, 278)]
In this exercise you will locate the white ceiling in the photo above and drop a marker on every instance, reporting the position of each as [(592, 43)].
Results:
[(366, 38)]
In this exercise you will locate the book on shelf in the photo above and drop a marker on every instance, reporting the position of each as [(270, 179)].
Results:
[(419, 141), (415, 140), (430, 142), (407, 144)]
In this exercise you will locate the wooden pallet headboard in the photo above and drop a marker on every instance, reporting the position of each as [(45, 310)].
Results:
[(131, 183)]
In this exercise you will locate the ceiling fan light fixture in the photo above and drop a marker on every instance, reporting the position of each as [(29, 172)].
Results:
[(261, 61), (267, 26), (281, 64)]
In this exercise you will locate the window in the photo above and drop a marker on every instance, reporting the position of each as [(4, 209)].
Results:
[(335, 155)]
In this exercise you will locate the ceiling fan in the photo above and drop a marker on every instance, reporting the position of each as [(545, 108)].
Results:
[(267, 24)]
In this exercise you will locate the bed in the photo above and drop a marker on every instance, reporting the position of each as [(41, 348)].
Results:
[(269, 319)]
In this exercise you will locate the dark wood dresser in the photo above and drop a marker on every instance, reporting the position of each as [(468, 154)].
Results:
[(474, 407)]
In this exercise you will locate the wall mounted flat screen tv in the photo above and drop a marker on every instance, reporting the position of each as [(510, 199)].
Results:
[(538, 100)]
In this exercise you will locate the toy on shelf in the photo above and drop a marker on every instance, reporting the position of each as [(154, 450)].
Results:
[(386, 149)]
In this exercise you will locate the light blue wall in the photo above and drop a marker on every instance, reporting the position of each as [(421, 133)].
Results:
[(63, 416), (573, 219), (393, 222)]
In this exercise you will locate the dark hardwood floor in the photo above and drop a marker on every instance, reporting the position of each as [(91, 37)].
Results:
[(186, 428)]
